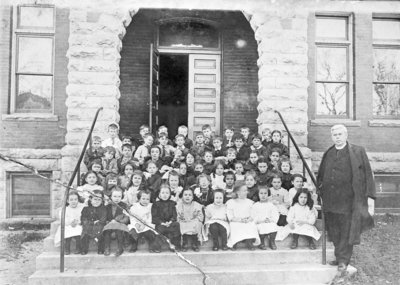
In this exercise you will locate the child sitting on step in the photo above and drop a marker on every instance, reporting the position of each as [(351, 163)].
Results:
[(280, 198), (190, 218), (301, 220), (216, 221), (241, 223), (266, 216)]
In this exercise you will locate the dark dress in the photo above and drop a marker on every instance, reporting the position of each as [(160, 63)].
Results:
[(93, 220), (252, 193), (283, 148), (287, 181)]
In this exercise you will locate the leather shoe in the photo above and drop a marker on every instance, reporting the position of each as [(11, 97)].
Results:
[(333, 263), (118, 252)]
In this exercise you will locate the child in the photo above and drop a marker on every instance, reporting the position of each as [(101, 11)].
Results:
[(208, 162), (143, 151), (183, 130), (298, 183), (190, 158), (73, 228), (198, 169), (203, 191), (228, 137), (217, 177), (229, 179), (285, 167), (109, 162), (280, 198), (190, 218), (125, 180), (113, 139), (93, 219), (239, 171), (230, 158), (301, 218), (207, 132), (167, 150), (242, 226), (199, 147), (274, 158), (128, 140), (252, 162), (155, 157), (245, 131), (266, 137), (216, 222), (243, 152), (162, 130), (125, 158), (276, 143), (263, 178), (153, 179), (130, 196), (251, 183), (258, 147), (111, 181), (180, 148), (143, 130), (91, 183), (164, 217), (116, 221), (96, 167), (95, 151), (184, 176), (265, 216), (137, 229), (218, 151), (173, 182)]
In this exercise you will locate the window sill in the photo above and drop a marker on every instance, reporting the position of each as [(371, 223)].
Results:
[(384, 123), (26, 117), (331, 122)]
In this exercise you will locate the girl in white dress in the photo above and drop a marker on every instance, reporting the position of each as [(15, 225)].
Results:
[(301, 219), (242, 225), (266, 216)]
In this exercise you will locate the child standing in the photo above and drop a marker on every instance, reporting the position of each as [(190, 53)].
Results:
[(113, 139), (280, 198), (116, 221), (153, 178), (208, 138), (137, 229), (167, 150), (262, 177), (218, 151), (183, 130), (216, 222), (245, 131), (265, 216), (180, 148), (242, 225), (190, 218), (301, 218), (228, 137), (164, 217), (126, 157), (266, 137), (95, 151), (73, 228), (93, 219), (199, 148)]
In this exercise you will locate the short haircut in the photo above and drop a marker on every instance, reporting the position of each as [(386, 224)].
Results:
[(275, 149), (229, 173), (203, 175), (162, 135), (208, 151), (96, 139), (127, 145), (155, 147), (339, 127), (276, 174), (138, 173), (142, 127), (218, 191), (231, 150), (149, 163), (162, 127), (182, 127), (238, 186), (199, 134), (238, 136), (297, 175), (148, 135), (262, 160), (244, 128), (206, 127), (141, 192), (256, 137), (173, 173), (113, 126), (251, 173), (179, 136), (283, 160), (231, 128), (127, 137), (110, 149), (217, 139)]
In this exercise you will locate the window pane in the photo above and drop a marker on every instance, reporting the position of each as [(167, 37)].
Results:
[(386, 29), (36, 17), (332, 64), (387, 65), (188, 34), (34, 94), (35, 54), (386, 100), (332, 99), (334, 28)]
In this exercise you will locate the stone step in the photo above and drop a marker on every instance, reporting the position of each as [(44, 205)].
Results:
[(50, 260), (240, 274)]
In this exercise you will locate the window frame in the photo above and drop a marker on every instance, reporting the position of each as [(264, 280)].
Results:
[(383, 194), (30, 32), (336, 43), (385, 45)]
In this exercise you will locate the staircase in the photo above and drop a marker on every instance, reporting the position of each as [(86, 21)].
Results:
[(283, 266)]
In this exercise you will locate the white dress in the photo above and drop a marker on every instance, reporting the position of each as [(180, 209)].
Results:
[(215, 214), (217, 181), (261, 211), (190, 218), (241, 208), (70, 231), (300, 213), (144, 214)]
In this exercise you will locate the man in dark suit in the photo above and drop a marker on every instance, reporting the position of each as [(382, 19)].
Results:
[(347, 188)]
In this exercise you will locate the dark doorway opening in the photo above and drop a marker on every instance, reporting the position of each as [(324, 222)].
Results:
[(173, 92)]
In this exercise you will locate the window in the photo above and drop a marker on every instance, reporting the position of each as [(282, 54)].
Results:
[(387, 191), (29, 195), (386, 68), (333, 59), (33, 44)]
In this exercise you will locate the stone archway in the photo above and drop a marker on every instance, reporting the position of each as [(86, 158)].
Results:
[(94, 56)]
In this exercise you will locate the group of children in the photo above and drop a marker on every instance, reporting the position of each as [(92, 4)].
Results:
[(236, 188)]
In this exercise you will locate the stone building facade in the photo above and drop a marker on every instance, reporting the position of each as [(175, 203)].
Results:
[(90, 72)]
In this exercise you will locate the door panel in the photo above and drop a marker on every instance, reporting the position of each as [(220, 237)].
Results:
[(204, 92), (154, 87)]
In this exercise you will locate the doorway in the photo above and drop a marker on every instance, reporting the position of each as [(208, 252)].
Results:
[(173, 91)]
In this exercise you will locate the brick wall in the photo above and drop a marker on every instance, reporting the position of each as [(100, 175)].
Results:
[(34, 134), (240, 77)]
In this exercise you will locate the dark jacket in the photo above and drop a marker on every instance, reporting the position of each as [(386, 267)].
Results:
[(363, 187), (163, 211), (119, 215)]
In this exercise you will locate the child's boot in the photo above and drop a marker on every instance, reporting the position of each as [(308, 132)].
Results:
[(215, 243), (262, 245), (77, 245), (224, 240), (295, 240), (195, 243), (311, 243), (133, 246), (185, 241), (67, 246), (249, 244), (272, 244), (120, 242)]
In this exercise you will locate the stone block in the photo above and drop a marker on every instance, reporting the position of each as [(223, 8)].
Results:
[(299, 94), (109, 115), (281, 45), (98, 39), (82, 53), (282, 59), (93, 90), (71, 150), (258, 19), (82, 126), (31, 153), (282, 70), (290, 117), (42, 164), (101, 78), (266, 83), (76, 15), (112, 54), (269, 30), (288, 106), (292, 82), (92, 65), (68, 163), (385, 167), (92, 102)]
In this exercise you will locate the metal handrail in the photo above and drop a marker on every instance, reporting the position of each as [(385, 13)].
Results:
[(305, 165), (71, 180)]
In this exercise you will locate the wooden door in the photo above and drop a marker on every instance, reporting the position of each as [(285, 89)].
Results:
[(154, 87), (204, 102)]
